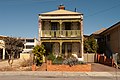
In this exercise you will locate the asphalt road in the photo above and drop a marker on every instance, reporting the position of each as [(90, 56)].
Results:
[(27, 77)]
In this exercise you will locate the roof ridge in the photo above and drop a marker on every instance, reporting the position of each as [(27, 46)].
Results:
[(60, 12)]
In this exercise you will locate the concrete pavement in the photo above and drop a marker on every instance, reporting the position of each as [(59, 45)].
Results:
[(61, 74)]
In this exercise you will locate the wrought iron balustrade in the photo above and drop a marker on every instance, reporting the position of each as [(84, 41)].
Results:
[(62, 33)]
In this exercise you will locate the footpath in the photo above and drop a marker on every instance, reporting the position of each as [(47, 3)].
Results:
[(60, 74), (98, 70)]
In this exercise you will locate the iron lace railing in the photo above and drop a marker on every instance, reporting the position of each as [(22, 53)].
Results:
[(58, 33)]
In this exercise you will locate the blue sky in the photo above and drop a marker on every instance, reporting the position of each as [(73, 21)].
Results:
[(19, 18)]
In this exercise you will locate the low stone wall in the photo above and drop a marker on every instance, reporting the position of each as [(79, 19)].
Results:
[(24, 56), (75, 68)]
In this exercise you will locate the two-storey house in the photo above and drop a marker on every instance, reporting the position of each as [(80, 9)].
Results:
[(61, 32)]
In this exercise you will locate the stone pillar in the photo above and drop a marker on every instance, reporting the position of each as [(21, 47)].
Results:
[(66, 52), (60, 22), (56, 49), (3, 57), (40, 31), (60, 48), (81, 28)]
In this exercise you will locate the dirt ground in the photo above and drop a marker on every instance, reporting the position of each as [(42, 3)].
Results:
[(96, 67)]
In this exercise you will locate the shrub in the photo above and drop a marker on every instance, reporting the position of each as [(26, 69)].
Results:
[(81, 62), (26, 63), (71, 61), (39, 52), (58, 60), (51, 57)]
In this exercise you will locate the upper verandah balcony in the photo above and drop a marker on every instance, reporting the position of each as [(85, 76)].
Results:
[(57, 30), (60, 34)]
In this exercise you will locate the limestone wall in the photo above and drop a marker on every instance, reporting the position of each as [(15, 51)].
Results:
[(75, 48), (47, 25), (56, 48)]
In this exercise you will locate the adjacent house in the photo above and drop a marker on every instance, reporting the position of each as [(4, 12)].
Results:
[(29, 43), (2, 47), (111, 39), (61, 32)]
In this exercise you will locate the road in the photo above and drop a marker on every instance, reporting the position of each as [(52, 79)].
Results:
[(46, 75), (27, 77)]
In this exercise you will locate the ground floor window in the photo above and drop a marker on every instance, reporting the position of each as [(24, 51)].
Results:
[(67, 48)]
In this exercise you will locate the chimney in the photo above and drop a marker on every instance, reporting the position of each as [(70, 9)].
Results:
[(61, 7)]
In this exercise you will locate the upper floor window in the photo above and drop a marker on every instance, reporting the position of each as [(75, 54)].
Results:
[(108, 37), (29, 46), (54, 26), (67, 25), (29, 40)]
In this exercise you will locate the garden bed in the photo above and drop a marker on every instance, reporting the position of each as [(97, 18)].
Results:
[(62, 67)]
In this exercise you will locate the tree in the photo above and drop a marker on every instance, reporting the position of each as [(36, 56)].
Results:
[(90, 45), (13, 46), (39, 52)]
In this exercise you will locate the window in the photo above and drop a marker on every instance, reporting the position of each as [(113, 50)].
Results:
[(67, 26), (54, 26), (29, 46), (108, 37), (29, 40), (69, 48)]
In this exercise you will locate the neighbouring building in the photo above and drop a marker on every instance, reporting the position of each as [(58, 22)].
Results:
[(110, 38), (2, 47), (61, 32), (98, 39), (29, 43), (96, 34)]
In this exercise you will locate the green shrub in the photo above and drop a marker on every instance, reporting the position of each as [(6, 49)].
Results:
[(58, 60), (39, 52), (81, 62), (51, 57), (72, 61)]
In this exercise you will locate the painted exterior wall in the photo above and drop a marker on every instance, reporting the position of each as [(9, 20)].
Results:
[(28, 45), (112, 40), (61, 31), (56, 50), (2, 48)]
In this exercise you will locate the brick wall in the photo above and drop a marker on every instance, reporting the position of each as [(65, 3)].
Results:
[(76, 68), (105, 60)]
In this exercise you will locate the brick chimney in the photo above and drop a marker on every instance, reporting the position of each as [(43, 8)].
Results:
[(61, 7)]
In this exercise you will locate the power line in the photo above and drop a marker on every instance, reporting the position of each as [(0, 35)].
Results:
[(102, 11)]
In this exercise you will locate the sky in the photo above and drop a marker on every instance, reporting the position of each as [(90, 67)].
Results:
[(19, 18)]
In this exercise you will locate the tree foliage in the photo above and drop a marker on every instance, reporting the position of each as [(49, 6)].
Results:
[(13, 46), (90, 45), (39, 52)]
